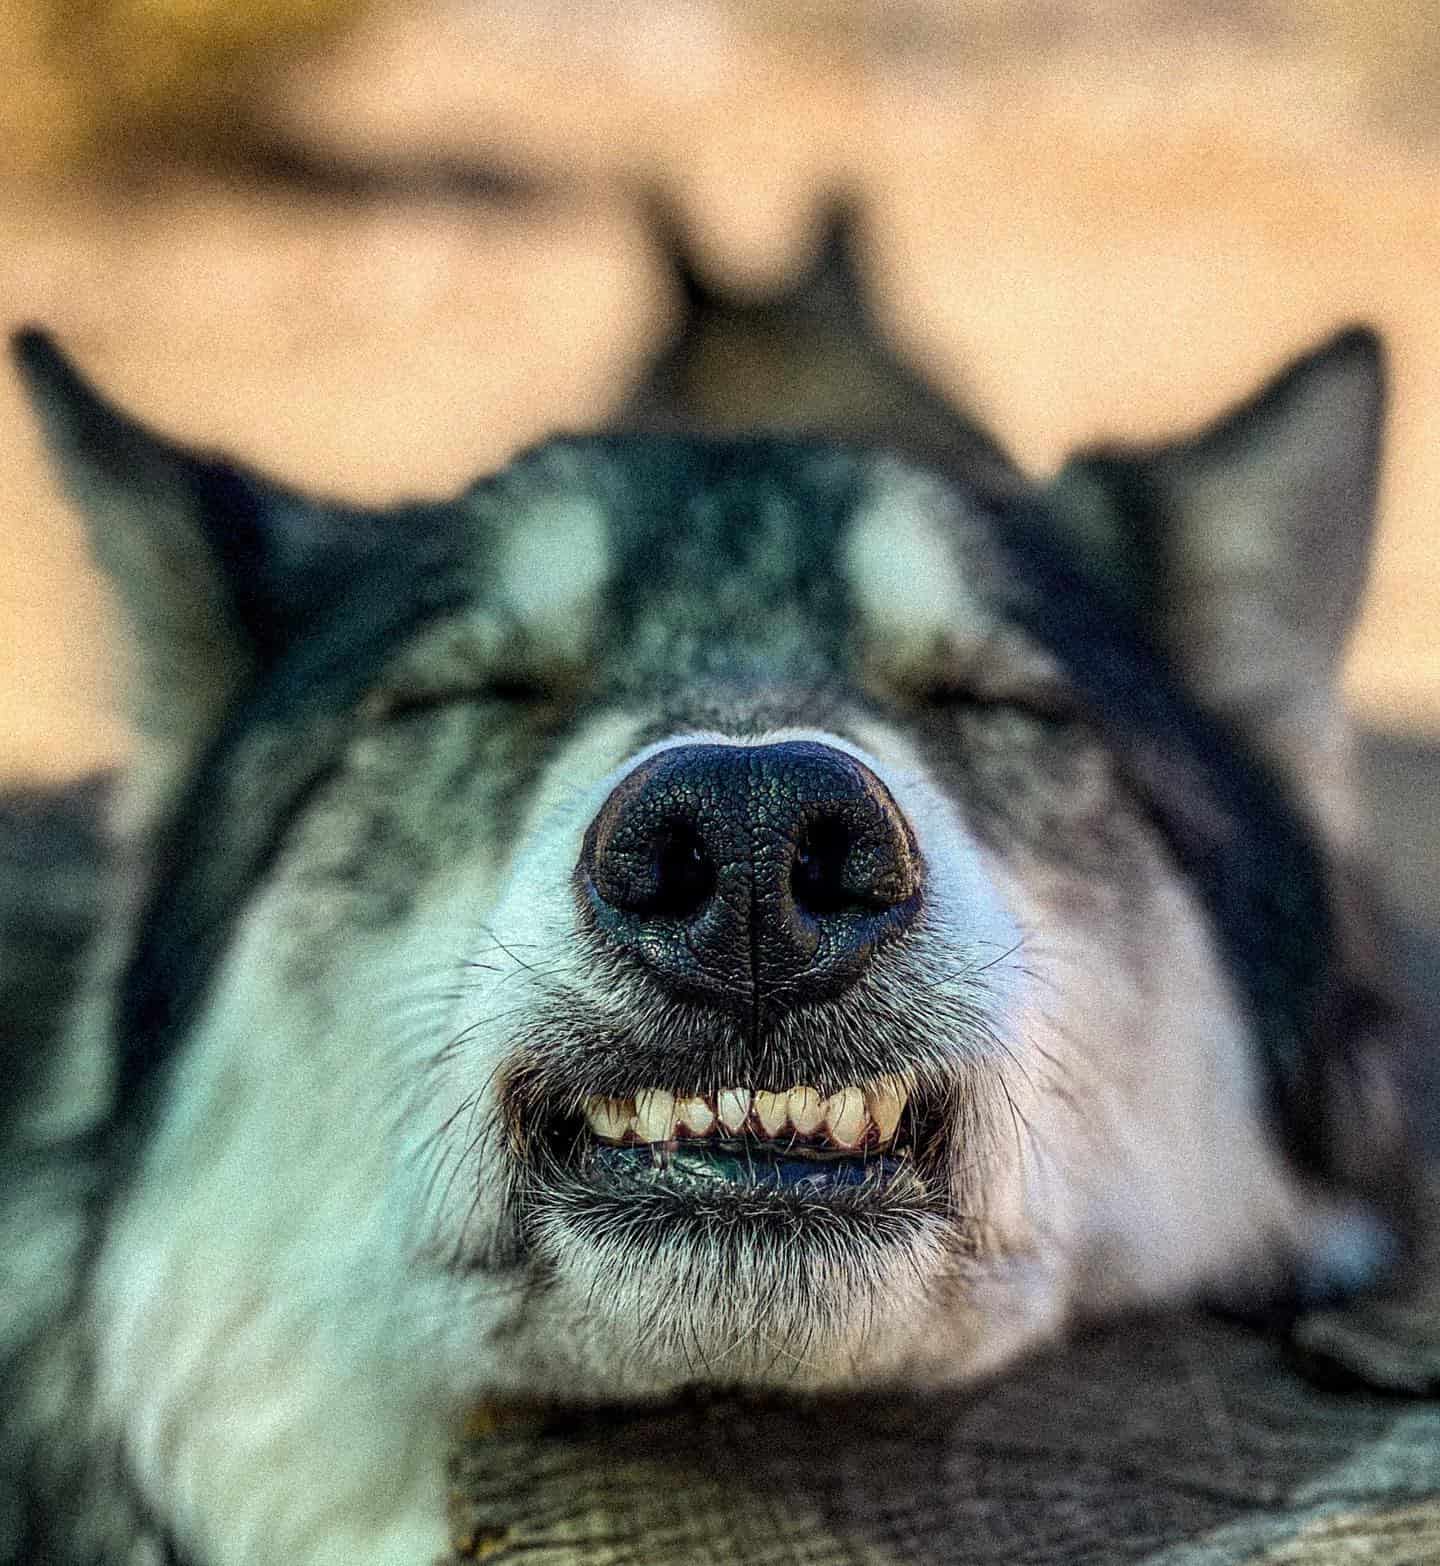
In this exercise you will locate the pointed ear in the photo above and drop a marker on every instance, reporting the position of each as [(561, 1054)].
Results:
[(807, 358), (205, 558), (1247, 547)]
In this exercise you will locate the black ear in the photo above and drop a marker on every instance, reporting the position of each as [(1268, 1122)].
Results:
[(1247, 548), (213, 566), (807, 359)]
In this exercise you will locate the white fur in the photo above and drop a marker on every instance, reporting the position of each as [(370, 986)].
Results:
[(281, 1344), (534, 919), (256, 1332), (903, 562), (1149, 1170), (552, 565)]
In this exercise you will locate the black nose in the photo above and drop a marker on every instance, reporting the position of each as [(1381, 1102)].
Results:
[(754, 878)]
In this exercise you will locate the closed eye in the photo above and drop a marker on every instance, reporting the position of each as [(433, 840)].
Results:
[(514, 691), (1046, 700), (518, 688)]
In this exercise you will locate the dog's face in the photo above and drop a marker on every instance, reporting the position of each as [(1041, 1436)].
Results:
[(736, 911)]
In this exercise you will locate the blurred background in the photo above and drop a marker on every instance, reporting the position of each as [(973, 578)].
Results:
[(374, 248)]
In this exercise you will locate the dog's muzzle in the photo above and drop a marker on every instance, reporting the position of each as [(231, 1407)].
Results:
[(751, 883)]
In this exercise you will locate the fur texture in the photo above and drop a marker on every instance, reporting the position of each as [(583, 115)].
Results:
[(304, 1173)]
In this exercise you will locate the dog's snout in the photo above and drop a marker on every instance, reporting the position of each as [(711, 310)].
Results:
[(751, 877)]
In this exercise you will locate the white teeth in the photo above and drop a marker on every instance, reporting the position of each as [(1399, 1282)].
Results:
[(655, 1115), (886, 1102), (805, 1109), (852, 1118), (694, 1115), (845, 1113), (610, 1118), (772, 1111), (734, 1109)]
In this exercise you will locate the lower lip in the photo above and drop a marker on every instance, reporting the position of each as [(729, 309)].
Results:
[(708, 1168)]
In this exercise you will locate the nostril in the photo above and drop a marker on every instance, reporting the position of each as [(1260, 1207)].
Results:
[(817, 875), (684, 875), (651, 869), (755, 878)]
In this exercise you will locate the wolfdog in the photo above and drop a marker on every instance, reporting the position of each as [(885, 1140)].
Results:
[(767, 897)]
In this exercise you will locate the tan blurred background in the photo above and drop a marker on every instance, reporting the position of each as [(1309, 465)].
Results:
[(373, 250)]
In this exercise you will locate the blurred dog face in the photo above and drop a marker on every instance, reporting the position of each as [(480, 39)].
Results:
[(751, 911)]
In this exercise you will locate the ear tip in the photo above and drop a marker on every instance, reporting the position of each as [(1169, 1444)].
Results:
[(1359, 337), (34, 351), (73, 413), (1360, 341), (48, 375), (1357, 349), (1342, 381)]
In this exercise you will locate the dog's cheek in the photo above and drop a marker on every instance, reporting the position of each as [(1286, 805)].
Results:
[(1154, 1173), (231, 1283), (269, 1252)]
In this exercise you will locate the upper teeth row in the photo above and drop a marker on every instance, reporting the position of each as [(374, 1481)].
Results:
[(850, 1118)]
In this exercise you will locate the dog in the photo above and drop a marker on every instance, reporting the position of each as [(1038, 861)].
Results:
[(767, 896)]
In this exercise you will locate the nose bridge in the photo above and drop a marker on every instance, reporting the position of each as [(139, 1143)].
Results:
[(751, 877)]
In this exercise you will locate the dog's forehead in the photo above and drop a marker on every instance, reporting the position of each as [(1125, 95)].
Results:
[(660, 561)]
